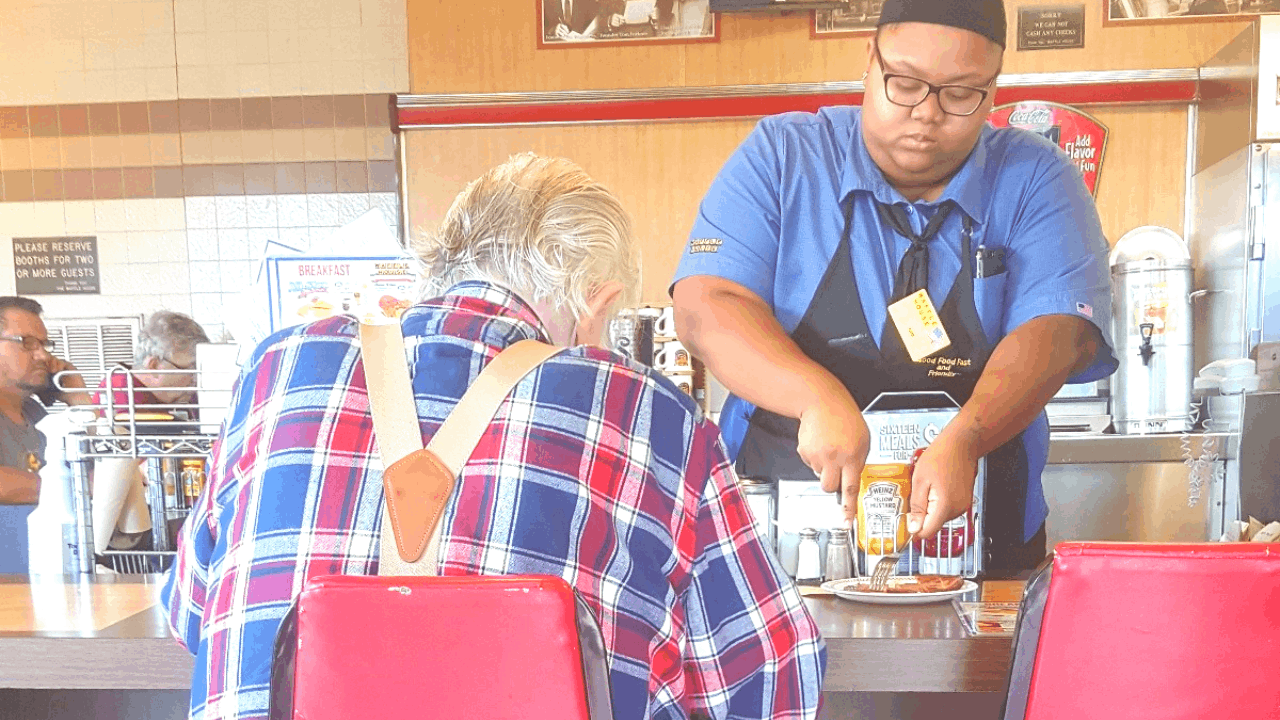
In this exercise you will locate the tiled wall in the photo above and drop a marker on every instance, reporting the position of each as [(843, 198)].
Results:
[(188, 134)]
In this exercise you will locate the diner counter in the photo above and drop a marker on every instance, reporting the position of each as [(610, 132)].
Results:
[(110, 632)]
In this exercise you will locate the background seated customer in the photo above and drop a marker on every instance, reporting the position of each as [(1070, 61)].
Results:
[(166, 342), (595, 469)]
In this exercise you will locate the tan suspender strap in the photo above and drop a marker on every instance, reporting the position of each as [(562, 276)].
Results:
[(417, 481)]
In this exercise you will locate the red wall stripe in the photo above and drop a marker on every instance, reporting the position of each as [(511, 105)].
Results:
[(1130, 93)]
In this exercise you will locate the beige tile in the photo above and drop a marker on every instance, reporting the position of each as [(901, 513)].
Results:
[(224, 81), (131, 85), (197, 148), (349, 144), (97, 19), (383, 12), (255, 80), (192, 49), (159, 49), (286, 79), (65, 55), (380, 144), (251, 47), (345, 41), (319, 144), (50, 216), (283, 46), (100, 86), (69, 87), (344, 13), (227, 146), (314, 45), (131, 53), (217, 19), (135, 150), (188, 16), (157, 17), (100, 53), (252, 14), (288, 145), (259, 146), (193, 81), (15, 154), (171, 214), (75, 152), (379, 76), (45, 154), (127, 18), (348, 78), (105, 151), (313, 16), (162, 83), (402, 77), (166, 149), (316, 78)]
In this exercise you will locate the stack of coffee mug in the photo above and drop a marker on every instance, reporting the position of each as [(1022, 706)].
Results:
[(648, 335)]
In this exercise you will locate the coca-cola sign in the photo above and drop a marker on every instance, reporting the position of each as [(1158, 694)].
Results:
[(1079, 134)]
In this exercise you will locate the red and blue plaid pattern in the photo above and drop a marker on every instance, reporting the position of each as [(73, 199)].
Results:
[(595, 469)]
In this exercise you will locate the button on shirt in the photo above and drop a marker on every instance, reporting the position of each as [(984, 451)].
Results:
[(595, 470), (772, 219)]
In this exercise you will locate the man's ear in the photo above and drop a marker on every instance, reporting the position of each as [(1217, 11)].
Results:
[(151, 363), (591, 324)]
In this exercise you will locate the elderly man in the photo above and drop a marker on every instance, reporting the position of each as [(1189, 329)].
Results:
[(26, 371), (591, 470), (830, 242), (159, 379)]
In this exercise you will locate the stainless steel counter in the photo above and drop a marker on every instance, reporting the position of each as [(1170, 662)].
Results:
[(1081, 449)]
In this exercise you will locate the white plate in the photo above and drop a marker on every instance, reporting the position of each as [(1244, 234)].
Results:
[(841, 589)]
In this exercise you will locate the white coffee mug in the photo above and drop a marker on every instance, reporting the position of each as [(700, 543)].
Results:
[(666, 324), (672, 356)]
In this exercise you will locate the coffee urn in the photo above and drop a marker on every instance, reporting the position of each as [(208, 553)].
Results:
[(1151, 327)]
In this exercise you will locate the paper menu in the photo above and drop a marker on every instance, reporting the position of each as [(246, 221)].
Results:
[(987, 618), (303, 289)]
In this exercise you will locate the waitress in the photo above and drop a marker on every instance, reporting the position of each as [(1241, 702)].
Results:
[(903, 246)]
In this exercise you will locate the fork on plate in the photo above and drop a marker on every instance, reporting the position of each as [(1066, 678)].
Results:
[(885, 567)]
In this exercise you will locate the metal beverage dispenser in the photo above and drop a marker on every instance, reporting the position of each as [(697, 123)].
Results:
[(1151, 327)]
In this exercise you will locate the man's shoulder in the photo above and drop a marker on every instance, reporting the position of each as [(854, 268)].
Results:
[(593, 361), (829, 124), (1021, 153)]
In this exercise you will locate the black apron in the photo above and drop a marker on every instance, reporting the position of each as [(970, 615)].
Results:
[(834, 334)]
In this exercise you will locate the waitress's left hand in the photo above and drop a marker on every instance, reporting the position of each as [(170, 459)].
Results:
[(942, 484)]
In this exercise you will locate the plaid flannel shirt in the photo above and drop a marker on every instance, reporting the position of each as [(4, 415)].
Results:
[(595, 469)]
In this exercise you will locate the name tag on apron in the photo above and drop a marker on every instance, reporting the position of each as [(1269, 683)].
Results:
[(918, 325)]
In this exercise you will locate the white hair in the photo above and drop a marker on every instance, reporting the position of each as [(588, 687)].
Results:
[(540, 226), (165, 334)]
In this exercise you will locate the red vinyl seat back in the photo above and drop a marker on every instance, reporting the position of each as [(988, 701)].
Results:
[(1159, 632), (426, 647)]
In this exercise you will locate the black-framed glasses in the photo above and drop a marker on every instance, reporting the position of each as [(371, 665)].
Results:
[(30, 343), (908, 91)]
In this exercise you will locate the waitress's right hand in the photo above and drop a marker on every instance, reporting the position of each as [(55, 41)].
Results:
[(834, 442)]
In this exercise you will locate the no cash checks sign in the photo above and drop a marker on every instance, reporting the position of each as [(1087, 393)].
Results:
[(56, 266)]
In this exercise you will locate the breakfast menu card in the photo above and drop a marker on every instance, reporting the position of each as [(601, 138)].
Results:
[(304, 289), (997, 613)]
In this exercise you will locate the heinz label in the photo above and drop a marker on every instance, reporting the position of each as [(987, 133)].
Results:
[(1080, 135)]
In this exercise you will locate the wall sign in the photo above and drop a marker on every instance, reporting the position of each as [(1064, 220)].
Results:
[(1080, 135), (1049, 27), (56, 265)]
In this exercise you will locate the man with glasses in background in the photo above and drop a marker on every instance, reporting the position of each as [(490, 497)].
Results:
[(819, 223), (26, 372)]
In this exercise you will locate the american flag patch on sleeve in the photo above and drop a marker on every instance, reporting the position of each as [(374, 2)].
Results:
[(1085, 310)]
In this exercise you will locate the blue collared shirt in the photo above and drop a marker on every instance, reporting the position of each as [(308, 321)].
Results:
[(772, 220)]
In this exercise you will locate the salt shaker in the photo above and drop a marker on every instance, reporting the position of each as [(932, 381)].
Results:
[(839, 561), (809, 562)]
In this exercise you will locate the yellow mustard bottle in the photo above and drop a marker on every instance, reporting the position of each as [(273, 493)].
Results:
[(882, 508)]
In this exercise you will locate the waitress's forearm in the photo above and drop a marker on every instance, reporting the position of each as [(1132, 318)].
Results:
[(736, 335), (1025, 370)]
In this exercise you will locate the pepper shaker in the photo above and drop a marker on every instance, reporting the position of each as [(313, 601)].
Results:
[(839, 560)]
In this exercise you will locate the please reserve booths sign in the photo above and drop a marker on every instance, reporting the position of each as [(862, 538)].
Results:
[(1080, 135), (56, 265)]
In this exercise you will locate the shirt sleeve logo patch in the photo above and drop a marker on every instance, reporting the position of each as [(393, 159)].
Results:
[(704, 245), (1085, 310)]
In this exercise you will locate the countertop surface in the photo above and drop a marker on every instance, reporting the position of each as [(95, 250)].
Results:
[(110, 632)]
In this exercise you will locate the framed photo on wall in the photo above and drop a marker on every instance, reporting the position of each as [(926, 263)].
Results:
[(1158, 11), (588, 23), (859, 19)]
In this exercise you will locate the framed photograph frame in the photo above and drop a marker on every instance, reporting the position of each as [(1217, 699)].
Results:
[(603, 23), (1151, 12), (858, 21)]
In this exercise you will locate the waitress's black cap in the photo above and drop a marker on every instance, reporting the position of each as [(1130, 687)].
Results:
[(985, 17)]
